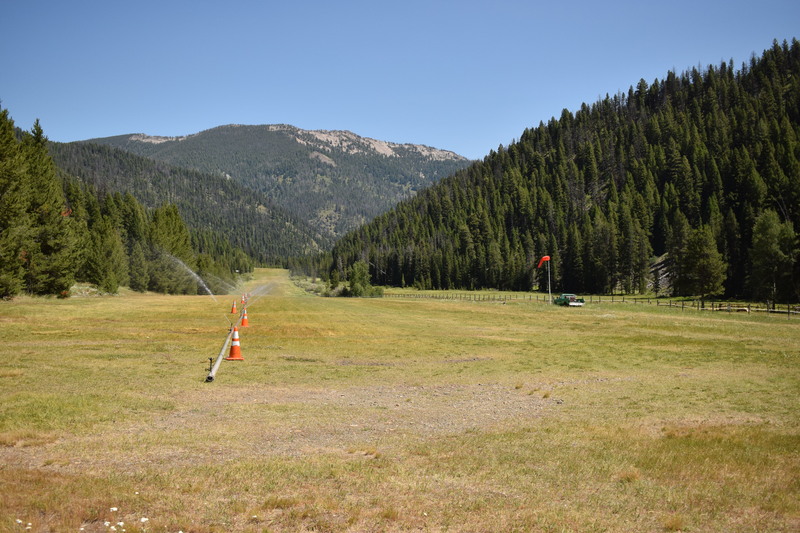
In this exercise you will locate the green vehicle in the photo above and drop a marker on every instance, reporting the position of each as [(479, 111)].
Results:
[(569, 300)]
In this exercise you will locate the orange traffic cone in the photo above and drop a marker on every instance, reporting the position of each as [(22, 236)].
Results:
[(233, 308), (244, 318), (236, 350)]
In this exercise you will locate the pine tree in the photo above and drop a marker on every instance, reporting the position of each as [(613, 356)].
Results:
[(772, 255), (705, 268), (172, 260), (138, 271), (169, 235), (679, 257), (733, 255), (52, 245), (14, 218), (573, 273), (359, 279), (107, 264), (133, 222)]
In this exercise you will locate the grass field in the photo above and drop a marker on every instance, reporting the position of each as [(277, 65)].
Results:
[(395, 415)]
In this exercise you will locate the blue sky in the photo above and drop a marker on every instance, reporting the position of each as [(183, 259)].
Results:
[(461, 75)]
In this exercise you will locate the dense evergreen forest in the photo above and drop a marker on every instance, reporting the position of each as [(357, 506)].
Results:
[(209, 203), (699, 170), (56, 230)]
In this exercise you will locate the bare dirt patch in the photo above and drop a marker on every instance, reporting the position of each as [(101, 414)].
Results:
[(255, 423)]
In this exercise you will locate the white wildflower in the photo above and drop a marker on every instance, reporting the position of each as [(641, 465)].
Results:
[(143, 520), (113, 509)]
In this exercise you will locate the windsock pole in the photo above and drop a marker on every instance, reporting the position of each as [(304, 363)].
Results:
[(546, 259)]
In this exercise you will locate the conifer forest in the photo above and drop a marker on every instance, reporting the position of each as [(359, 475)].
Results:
[(56, 230), (688, 185)]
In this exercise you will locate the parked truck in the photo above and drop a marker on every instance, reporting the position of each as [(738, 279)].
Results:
[(569, 300)]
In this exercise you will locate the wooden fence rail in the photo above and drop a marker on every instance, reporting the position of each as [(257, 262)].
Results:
[(730, 307)]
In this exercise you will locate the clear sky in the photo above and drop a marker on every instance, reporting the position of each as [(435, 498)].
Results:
[(464, 75)]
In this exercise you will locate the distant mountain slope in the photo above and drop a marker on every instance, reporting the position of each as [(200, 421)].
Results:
[(334, 180), (248, 219)]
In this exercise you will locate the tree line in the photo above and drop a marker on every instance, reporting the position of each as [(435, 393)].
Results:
[(56, 230), (697, 174)]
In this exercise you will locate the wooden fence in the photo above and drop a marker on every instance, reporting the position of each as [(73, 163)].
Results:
[(730, 307)]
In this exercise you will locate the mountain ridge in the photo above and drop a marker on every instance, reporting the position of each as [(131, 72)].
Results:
[(335, 180), (380, 146)]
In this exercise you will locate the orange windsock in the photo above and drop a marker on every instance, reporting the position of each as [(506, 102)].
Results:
[(244, 318), (233, 308), (236, 350)]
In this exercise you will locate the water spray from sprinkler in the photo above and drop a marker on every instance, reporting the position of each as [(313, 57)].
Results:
[(191, 272)]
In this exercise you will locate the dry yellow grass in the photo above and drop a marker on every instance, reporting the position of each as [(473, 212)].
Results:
[(395, 415)]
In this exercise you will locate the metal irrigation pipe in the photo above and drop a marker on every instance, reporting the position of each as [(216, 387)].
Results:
[(222, 350)]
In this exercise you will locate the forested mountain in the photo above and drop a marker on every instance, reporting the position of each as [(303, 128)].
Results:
[(703, 166), (333, 180), (55, 230), (210, 204)]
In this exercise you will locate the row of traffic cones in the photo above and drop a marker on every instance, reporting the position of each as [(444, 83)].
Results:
[(245, 297), (236, 349)]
